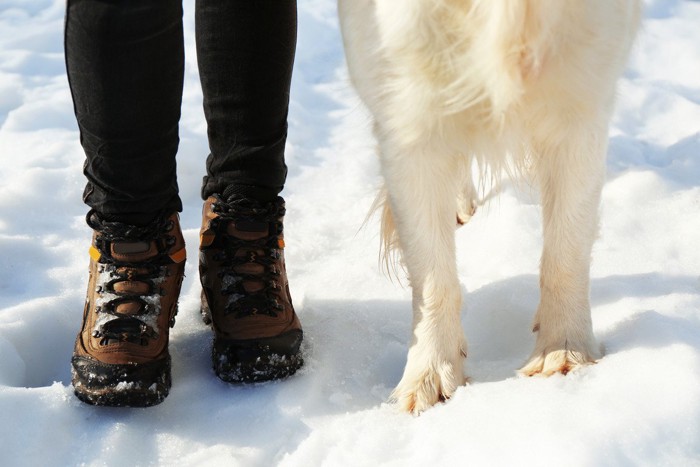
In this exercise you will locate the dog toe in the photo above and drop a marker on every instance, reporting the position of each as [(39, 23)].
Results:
[(557, 361), (434, 385)]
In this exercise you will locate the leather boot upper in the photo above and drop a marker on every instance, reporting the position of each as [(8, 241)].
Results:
[(242, 269), (135, 279)]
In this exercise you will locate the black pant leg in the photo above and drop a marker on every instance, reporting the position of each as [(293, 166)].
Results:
[(125, 63), (245, 52)]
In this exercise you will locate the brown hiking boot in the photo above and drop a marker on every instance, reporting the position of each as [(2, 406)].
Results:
[(121, 353), (245, 293)]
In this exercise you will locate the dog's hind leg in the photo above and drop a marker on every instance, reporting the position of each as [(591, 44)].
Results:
[(421, 194), (570, 167)]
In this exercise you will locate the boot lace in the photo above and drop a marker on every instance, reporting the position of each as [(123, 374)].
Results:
[(136, 284), (236, 252)]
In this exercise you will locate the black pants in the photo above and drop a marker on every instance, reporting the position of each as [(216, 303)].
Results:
[(125, 62)]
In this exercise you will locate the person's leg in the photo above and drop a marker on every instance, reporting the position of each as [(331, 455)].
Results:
[(125, 67), (125, 63), (245, 52)]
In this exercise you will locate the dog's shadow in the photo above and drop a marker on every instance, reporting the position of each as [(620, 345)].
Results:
[(356, 350)]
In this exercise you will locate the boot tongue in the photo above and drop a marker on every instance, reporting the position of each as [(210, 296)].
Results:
[(248, 230), (131, 287), (133, 251), (129, 308)]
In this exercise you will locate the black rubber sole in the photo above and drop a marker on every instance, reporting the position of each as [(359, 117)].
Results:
[(128, 385), (255, 360)]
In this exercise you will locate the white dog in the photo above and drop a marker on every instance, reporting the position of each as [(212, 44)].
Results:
[(514, 86)]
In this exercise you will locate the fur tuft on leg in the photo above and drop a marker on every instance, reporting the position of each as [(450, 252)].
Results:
[(389, 250)]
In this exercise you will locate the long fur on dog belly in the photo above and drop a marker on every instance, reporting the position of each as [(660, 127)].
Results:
[(483, 74)]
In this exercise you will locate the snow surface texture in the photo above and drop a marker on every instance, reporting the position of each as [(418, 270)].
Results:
[(639, 406)]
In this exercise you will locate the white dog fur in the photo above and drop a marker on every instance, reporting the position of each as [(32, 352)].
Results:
[(501, 86)]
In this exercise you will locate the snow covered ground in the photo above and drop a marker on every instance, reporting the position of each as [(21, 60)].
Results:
[(639, 406)]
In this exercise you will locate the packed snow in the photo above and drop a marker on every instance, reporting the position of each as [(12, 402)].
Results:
[(640, 405)]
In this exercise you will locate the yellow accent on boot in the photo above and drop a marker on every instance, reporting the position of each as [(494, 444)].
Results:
[(95, 253)]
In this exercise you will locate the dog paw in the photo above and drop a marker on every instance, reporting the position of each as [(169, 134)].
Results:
[(422, 388), (465, 211), (565, 340), (564, 360)]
